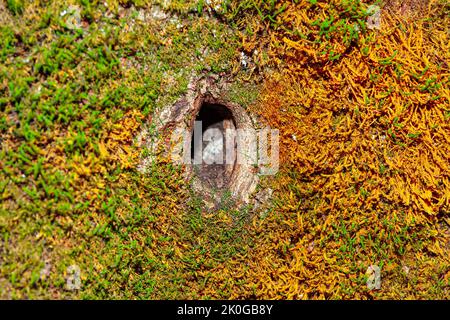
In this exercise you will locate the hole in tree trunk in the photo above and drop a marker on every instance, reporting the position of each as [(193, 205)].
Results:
[(223, 171), (213, 146)]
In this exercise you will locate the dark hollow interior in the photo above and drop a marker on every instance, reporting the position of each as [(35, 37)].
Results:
[(219, 117)]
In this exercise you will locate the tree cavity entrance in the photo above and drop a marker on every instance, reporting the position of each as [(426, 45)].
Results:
[(213, 145), (216, 166)]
